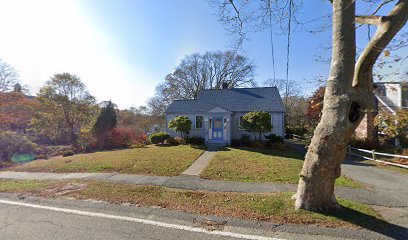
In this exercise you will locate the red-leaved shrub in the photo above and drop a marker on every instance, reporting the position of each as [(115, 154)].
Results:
[(124, 137)]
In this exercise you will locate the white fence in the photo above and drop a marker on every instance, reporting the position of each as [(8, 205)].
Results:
[(374, 154)]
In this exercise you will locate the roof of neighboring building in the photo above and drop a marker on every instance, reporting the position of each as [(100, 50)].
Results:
[(234, 100)]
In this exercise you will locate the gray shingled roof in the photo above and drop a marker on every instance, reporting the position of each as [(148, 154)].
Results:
[(234, 100)]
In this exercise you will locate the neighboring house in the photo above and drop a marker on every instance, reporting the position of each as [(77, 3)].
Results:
[(390, 97), (217, 113)]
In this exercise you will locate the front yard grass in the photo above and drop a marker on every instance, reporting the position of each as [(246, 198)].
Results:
[(148, 160), (261, 165), (274, 207)]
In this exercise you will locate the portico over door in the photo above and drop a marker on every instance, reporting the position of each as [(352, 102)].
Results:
[(217, 125)]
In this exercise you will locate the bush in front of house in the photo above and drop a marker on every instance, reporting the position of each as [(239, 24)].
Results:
[(159, 138), (245, 140), (276, 142), (273, 138), (195, 140), (13, 143), (181, 124), (171, 141), (181, 141), (257, 123), (235, 143)]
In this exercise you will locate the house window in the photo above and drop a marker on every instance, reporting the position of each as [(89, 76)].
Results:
[(240, 123), (199, 122)]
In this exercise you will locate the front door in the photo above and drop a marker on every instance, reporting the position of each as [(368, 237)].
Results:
[(218, 130)]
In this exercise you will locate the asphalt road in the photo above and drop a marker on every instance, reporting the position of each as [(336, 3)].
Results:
[(25, 223), (51, 219), (20, 222)]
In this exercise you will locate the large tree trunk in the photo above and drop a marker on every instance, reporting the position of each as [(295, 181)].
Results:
[(348, 95), (328, 146)]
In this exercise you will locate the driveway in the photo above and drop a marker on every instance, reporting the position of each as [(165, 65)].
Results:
[(387, 191)]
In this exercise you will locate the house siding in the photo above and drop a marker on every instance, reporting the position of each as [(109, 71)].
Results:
[(277, 119), (193, 132)]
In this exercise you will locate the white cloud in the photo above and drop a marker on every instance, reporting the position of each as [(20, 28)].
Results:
[(43, 37)]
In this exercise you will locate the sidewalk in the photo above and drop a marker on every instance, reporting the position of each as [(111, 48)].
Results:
[(196, 183)]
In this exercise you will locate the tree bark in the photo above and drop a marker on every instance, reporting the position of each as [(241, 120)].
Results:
[(328, 146), (347, 97)]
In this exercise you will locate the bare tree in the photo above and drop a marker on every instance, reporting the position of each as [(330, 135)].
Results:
[(8, 77), (286, 88), (348, 94), (164, 95), (391, 65), (294, 103), (296, 109), (209, 71), (197, 72)]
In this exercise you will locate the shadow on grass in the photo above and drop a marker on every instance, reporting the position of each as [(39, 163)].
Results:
[(222, 149), (370, 222), (165, 145), (352, 161), (111, 150), (274, 152), (201, 147)]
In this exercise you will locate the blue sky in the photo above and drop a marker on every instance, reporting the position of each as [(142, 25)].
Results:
[(122, 49)]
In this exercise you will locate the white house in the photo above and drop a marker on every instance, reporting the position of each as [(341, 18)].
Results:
[(392, 94), (216, 113)]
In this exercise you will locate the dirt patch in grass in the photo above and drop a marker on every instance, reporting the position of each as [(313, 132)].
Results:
[(261, 165), (63, 189), (273, 207), (149, 160)]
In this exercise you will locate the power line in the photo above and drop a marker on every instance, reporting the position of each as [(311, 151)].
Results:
[(272, 52), (288, 51)]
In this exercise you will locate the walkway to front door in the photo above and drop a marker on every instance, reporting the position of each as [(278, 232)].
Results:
[(201, 163)]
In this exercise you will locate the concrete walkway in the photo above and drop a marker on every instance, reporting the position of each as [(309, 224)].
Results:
[(201, 163)]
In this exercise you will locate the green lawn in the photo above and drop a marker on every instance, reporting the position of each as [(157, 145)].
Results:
[(261, 165), (149, 160), (274, 207)]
